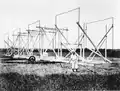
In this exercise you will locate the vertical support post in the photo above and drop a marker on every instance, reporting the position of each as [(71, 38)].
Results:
[(83, 41), (13, 39), (67, 35), (55, 32), (106, 43), (58, 44), (19, 42), (85, 36), (58, 37), (8, 41), (53, 41), (13, 43), (28, 39), (113, 33), (42, 41), (80, 49), (79, 28), (39, 40), (61, 49)]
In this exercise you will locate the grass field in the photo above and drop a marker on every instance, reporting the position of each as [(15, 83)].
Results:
[(58, 77), (52, 77), (17, 82)]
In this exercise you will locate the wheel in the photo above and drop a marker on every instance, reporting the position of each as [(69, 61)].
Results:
[(32, 59), (9, 52), (16, 52)]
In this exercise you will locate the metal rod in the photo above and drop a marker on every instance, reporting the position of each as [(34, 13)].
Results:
[(58, 44), (77, 44), (98, 48), (6, 43), (79, 30), (48, 28), (33, 23), (39, 40), (92, 43), (102, 39), (106, 33), (56, 24), (13, 41), (5, 39), (19, 41), (99, 20), (86, 35), (42, 42), (49, 41), (113, 33), (67, 42), (61, 34), (28, 39), (67, 12), (101, 56), (61, 49), (8, 39), (30, 34), (106, 43), (83, 42), (55, 31)]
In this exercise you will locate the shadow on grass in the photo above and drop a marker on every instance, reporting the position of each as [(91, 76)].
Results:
[(17, 82), (26, 62)]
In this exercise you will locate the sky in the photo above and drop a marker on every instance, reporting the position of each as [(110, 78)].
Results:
[(19, 13)]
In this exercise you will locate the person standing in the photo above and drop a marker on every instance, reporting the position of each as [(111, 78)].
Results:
[(74, 62)]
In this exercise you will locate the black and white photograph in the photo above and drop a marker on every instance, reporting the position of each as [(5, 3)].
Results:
[(59, 45)]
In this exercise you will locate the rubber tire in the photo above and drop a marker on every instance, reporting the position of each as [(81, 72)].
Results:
[(15, 52), (32, 59)]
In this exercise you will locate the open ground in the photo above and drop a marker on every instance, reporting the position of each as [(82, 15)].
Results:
[(22, 76)]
